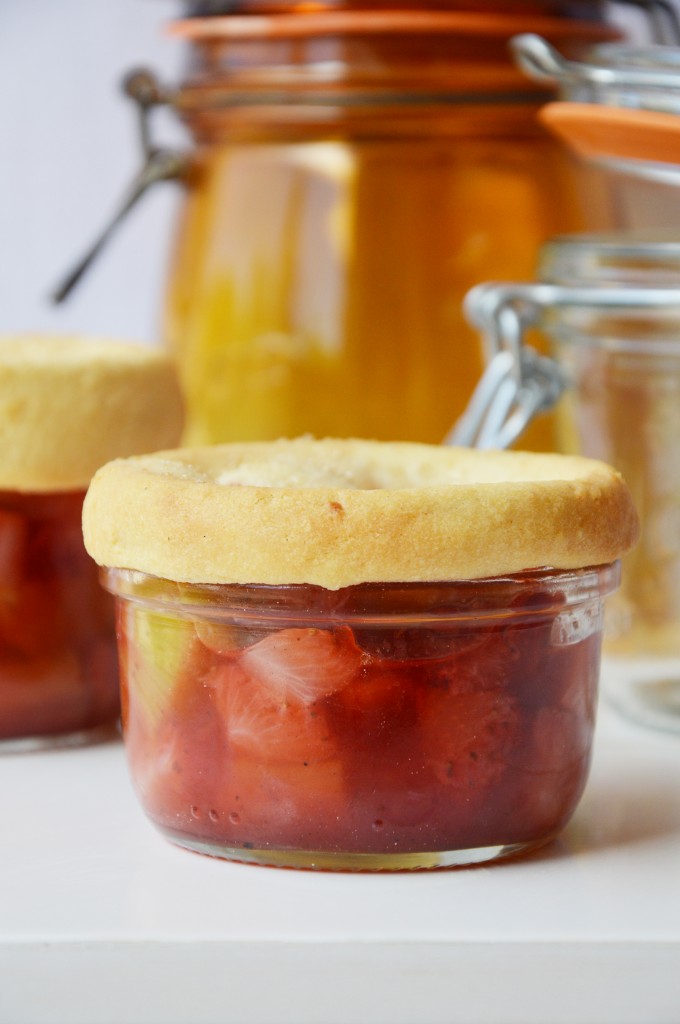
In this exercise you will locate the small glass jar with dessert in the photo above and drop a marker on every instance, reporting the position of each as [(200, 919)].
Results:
[(358, 655), (67, 405)]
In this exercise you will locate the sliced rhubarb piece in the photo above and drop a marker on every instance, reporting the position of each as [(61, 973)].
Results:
[(161, 651)]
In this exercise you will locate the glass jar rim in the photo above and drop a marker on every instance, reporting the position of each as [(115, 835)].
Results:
[(377, 604), (644, 258), (484, 24), (608, 66), (315, 63), (627, 56)]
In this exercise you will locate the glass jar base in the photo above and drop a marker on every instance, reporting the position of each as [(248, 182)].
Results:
[(645, 691), (311, 860), (60, 741)]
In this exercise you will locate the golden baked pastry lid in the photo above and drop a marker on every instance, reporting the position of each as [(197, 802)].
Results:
[(69, 404), (340, 512)]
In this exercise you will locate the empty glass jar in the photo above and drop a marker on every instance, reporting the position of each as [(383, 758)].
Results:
[(610, 308)]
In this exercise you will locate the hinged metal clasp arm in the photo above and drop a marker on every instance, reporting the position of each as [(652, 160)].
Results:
[(518, 382), (541, 62), (159, 165)]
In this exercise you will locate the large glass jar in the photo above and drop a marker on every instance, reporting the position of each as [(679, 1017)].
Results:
[(354, 174), (610, 308)]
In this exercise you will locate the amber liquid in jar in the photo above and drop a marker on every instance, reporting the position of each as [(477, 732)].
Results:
[(324, 251), (58, 664)]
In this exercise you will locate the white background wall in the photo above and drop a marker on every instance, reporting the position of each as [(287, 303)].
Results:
[(68, 147)]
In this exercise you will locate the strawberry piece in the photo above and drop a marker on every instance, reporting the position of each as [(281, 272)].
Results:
[(560, 738), (549, 771), (380, 691), (418, 645), (41, 695), (374, 716), (303, 665), (486, 668), (562, 731), (177, 762), (219, 637), (469, 737), (31, 622), (261, 724), (225, 763), (282, 804), (13, 531), (549, 778)]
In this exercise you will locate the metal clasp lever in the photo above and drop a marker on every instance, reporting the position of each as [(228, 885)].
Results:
[(541, 62), (159, 165), (518, 382)]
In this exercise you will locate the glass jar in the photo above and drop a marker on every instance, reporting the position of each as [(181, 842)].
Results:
[(610, 308), (67, 405), (377, 727), (618, 110), (410, 697), (355, 171), (58, 665), (354, 175)]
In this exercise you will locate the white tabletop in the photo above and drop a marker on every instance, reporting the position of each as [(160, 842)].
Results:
[(102, 921)]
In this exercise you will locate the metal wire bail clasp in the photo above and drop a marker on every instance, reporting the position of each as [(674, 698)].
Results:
[(159, 165), (592, 80), (518, 382)]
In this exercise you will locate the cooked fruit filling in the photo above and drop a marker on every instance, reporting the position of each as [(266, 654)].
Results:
[(372, 734), (58, 667)]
